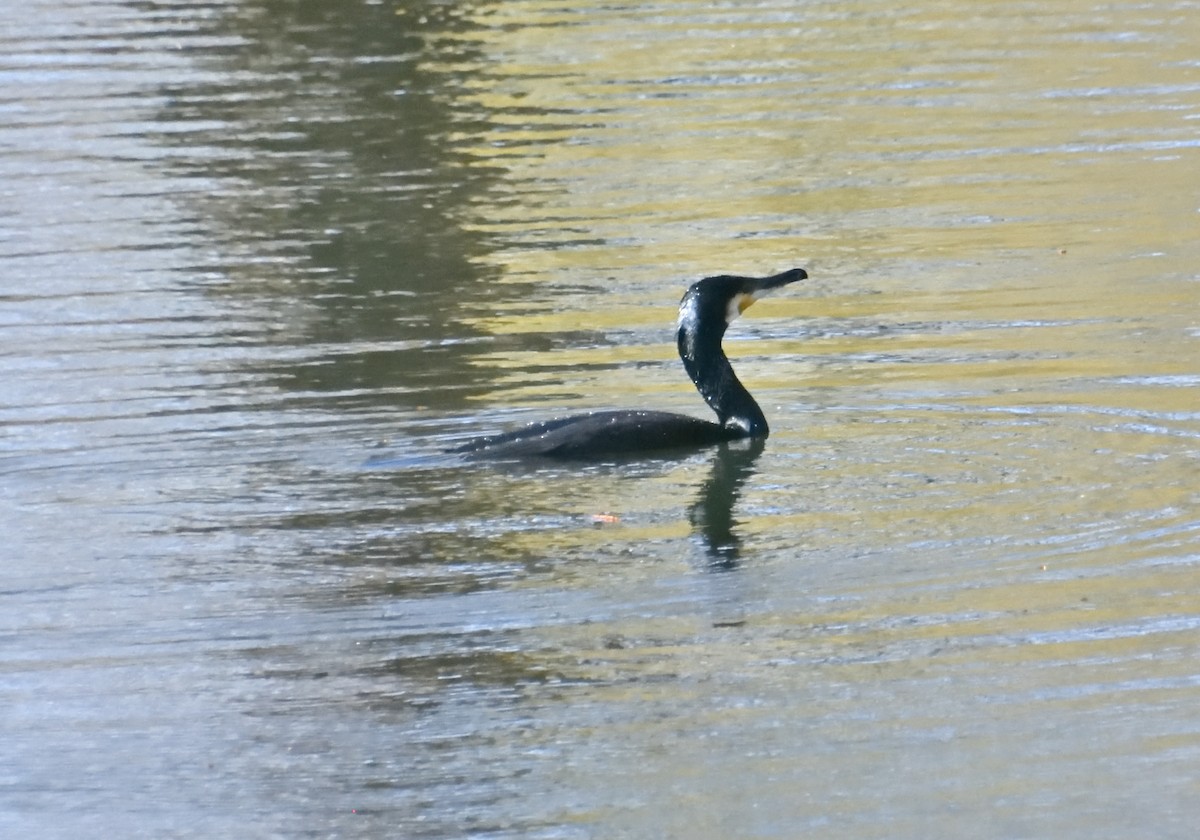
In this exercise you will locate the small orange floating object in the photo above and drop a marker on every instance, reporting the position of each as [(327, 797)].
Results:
[(605, 519)]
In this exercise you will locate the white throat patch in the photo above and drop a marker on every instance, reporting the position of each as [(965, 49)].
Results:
[(738, 304)]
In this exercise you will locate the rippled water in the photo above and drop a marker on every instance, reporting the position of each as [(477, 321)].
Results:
[(261, 261)]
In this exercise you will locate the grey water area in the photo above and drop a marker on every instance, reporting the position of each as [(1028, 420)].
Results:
[(262, 262)]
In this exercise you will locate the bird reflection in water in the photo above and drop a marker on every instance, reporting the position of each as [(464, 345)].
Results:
[(711, 514)]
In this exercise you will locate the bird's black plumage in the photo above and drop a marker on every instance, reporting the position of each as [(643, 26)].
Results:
[(707, 308)]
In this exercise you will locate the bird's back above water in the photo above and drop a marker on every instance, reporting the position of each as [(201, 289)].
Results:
[(707, 309)]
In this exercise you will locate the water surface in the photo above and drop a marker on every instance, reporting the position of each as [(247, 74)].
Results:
[(249, 248)]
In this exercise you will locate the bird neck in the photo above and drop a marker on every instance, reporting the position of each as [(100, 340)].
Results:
[(709, 368)]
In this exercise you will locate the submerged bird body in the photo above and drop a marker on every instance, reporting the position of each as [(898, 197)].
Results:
[(600, 433), (707, 309)]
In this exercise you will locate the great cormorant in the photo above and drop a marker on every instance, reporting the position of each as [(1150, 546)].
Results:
[(707, 309)]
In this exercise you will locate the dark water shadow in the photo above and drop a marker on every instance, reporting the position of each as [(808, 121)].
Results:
[(344, 205)]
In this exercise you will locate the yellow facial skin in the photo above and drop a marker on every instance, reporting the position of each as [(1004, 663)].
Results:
[(737, 305)]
